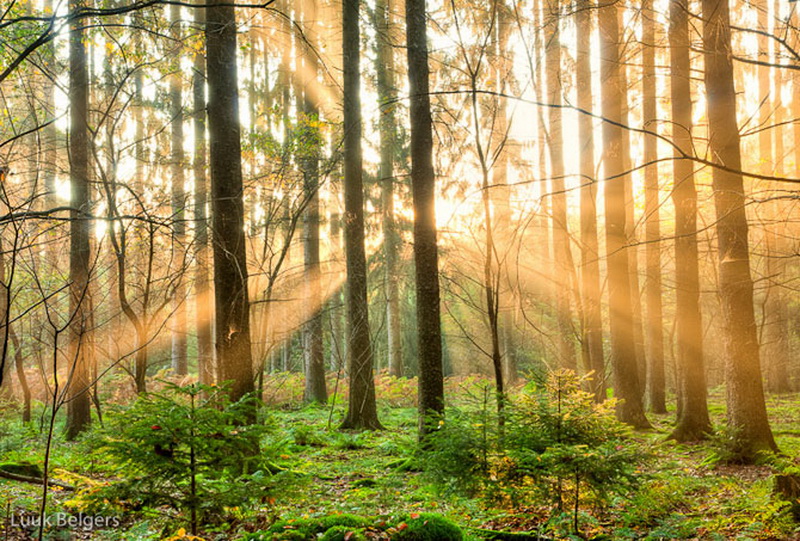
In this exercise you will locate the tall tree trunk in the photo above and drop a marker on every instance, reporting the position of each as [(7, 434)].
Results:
[(80, 350), (630, 219), (747, 413), (655, 328), (426, 252), (693, 421), (313, 350), (179, 347), (561, 240), (627, 386), (50, 133), (500, 192), (592, 325), (227, 205), (361, 411), (387, 93), (775, 332), (203, 296)]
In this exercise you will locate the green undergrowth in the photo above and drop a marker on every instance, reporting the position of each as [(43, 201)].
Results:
[(374, 480)]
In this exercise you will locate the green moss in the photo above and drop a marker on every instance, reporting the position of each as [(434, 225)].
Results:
[(22, 468), (427, 527), (340, 533), (309, 528)]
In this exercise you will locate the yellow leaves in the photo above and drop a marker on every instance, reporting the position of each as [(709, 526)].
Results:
[(181, 535)]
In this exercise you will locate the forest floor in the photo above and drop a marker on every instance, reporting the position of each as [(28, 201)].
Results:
[(684, 494)]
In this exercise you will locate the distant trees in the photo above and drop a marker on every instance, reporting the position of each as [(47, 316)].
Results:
[(491, 144)]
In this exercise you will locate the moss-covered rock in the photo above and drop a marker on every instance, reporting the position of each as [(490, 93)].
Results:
[(308, 528), (22, 468), (343, 533), (427, 527)]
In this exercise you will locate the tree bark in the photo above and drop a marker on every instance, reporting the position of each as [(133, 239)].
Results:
[(313, 351), (232, 331), (203, 294), (362, 411), (627, 386), (80, 350), (655, 328), (630, 219), (387, 94), (179, 342), (774, 339), (747, 413), (693, 421), (592, 327), (426, 252), (561, 241)]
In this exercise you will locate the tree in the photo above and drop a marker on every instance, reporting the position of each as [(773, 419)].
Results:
[(423, 191), (774, 331), (80, 350), (361, 411), (561, 240), (693, 420), (232, 306), (387, 94), (179, 330), (627, 385), (655, 329), (592, 330), (314, 353), (747, 413), (205, 345)]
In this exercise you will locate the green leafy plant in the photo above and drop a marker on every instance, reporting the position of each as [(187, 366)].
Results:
[(557, 444), (559, 439), (187, 448)]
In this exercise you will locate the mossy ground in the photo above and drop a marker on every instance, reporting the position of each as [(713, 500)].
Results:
[(684, 496)]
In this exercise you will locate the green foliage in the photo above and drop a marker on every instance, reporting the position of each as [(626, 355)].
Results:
[(187, 448), (724, 447), (426, 527), (457, 457), (308, 528), (557, 433), (556, 444), (338, 527), (343, 533), (14, 437)]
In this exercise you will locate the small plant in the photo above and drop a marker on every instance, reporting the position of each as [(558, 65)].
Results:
[(556, 444), (559, 439), (188, 448)]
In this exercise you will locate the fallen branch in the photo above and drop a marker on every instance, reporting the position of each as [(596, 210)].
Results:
[(34, 480)]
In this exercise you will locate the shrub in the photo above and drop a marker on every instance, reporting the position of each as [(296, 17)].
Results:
[(556, 444), (187, 448)]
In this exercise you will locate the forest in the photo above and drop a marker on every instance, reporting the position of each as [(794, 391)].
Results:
[(399, 270)]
